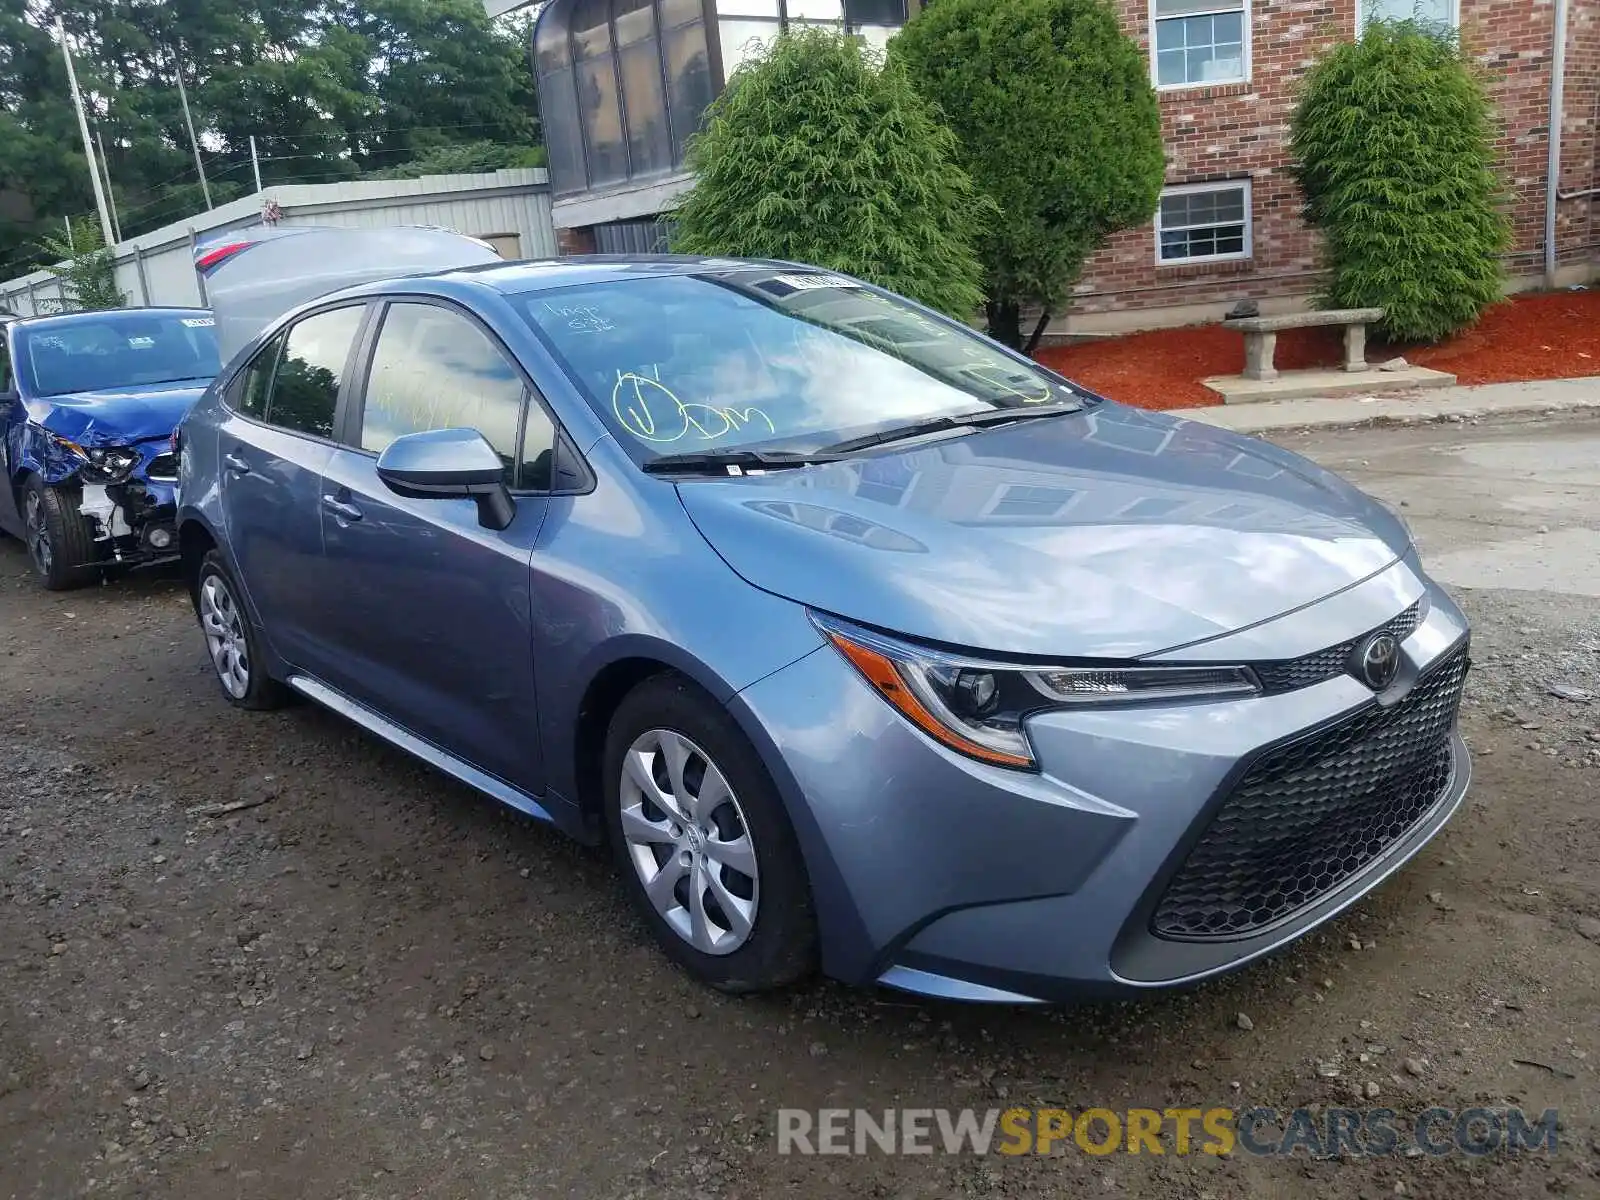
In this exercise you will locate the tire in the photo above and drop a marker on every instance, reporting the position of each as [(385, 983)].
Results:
[(61, 545), (232, 643), (766, 936)]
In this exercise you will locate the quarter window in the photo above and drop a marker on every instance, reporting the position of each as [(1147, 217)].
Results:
[(7, 383), (305, 388), (250, 392), (1200, 42), (435, 369), (1203, 223)]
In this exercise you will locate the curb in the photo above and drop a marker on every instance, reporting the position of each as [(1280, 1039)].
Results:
[(1301, 416)]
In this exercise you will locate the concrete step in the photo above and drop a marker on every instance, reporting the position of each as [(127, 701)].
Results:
[(1301, 385)]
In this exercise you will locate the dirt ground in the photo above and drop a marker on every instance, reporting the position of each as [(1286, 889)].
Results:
[(375, 984)]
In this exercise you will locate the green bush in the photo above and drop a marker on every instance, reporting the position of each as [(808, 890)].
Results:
[(1393, 144), (1059, 125), (87, 271), (815, 152)]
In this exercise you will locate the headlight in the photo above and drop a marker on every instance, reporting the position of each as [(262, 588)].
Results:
[(978, 707), (103, 464)]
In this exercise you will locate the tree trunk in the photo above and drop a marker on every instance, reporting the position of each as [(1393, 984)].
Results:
[(1038, 332), (1005, 322)]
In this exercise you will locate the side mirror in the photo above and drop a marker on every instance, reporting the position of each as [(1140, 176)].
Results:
[(446, 464)]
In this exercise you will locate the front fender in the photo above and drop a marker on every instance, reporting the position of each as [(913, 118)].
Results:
[(35, 451)]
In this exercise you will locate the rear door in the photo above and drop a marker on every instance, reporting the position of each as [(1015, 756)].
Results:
[(274, 442), (430, 611)]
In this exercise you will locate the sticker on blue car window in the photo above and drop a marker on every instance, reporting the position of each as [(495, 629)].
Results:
[(807, 283), (199, 322)]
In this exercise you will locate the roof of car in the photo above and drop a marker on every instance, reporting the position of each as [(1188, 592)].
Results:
[(543, 274)]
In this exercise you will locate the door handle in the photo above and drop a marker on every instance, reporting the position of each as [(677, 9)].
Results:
[(345, 512), (236, 464)]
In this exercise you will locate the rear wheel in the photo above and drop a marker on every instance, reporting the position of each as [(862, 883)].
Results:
[(231, 641), (61, 545), (703, 842)]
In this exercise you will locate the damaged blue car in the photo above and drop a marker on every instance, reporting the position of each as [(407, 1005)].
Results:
[(88, 406)]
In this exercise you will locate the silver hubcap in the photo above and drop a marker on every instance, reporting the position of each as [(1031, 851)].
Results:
[(689, 842), (38, 533), (224, 629)]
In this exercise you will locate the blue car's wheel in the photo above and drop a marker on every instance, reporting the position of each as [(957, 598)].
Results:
[(231, 640), (61, 546), (703, 842)]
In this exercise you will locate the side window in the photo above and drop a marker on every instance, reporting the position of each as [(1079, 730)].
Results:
[(434, 369), (8, 382), (305, 390), (249, 392)]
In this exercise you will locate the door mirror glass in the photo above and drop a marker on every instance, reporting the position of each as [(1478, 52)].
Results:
[(444, 463)]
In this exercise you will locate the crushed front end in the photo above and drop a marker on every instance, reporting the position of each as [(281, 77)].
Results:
[(126, 495)]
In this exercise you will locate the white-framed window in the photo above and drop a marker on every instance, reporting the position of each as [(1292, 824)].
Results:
[(1443, 14), (1198, 43), (1203, 222)]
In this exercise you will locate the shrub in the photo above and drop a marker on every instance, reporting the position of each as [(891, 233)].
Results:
[(1394, 151), (1059, 125), (816, 152), (87, 270)]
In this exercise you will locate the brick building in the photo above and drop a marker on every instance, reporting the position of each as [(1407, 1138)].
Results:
[(623, 83), (1229, 224)]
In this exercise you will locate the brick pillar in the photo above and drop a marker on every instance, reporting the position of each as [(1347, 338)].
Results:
[(578, 240)]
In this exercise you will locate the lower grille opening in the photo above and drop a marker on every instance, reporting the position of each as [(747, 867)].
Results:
[(1307, 817)]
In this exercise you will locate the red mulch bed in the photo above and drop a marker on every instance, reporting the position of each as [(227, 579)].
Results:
[(1553, 335)]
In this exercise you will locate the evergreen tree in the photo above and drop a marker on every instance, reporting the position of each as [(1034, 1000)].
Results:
[(1394, 147), (1058, 124), (816, 152)]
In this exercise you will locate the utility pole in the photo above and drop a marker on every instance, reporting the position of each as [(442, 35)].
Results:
[(183, 95), (88, 144), (255, 163), (111, 195)]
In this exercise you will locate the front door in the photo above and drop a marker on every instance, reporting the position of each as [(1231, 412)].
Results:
[(274, 445), (429, 610)]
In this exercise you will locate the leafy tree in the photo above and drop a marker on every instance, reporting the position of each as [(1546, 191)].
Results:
[(1394, 146), (87, 272), (467, 158), (332, 89), (1059, 125), (818, 153)]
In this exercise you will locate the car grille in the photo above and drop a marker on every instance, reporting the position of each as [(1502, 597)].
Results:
[(1308, 816), (1290, 674), (163, 466)]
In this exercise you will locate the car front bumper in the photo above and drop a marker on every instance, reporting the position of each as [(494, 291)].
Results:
[(941, 875), (134, 523)]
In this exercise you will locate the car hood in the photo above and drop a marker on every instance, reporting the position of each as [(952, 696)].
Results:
[(116, 416), (1111, 533)]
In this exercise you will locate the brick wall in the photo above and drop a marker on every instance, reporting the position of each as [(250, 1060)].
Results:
[(1240, 131)]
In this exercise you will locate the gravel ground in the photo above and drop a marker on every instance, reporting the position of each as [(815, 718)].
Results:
[(372, 984)]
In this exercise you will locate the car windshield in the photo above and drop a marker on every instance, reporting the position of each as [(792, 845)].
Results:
[(118, 349), (796, 360)]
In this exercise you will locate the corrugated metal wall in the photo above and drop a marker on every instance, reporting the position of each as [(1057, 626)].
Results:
[(512, 208), (632, 237)]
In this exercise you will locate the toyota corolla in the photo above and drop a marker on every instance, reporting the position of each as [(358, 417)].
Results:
[(864, 642)]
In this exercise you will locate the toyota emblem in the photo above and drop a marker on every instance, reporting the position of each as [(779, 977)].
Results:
[(1377, 661)]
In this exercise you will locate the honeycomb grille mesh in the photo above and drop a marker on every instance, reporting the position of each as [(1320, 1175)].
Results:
[(1308, 816), (1290, 674)]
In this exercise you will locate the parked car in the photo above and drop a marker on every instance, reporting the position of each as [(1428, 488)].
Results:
[(862, 640), (89, 403)]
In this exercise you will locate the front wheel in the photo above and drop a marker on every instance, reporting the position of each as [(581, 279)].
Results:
[(61, 546), (703, 842), (231, 641)]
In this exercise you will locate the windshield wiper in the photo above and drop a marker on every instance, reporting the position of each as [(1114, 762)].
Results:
[(998, 416), (733, 462)]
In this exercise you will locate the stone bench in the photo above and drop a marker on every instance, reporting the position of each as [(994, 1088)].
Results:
[(1261, 336)]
